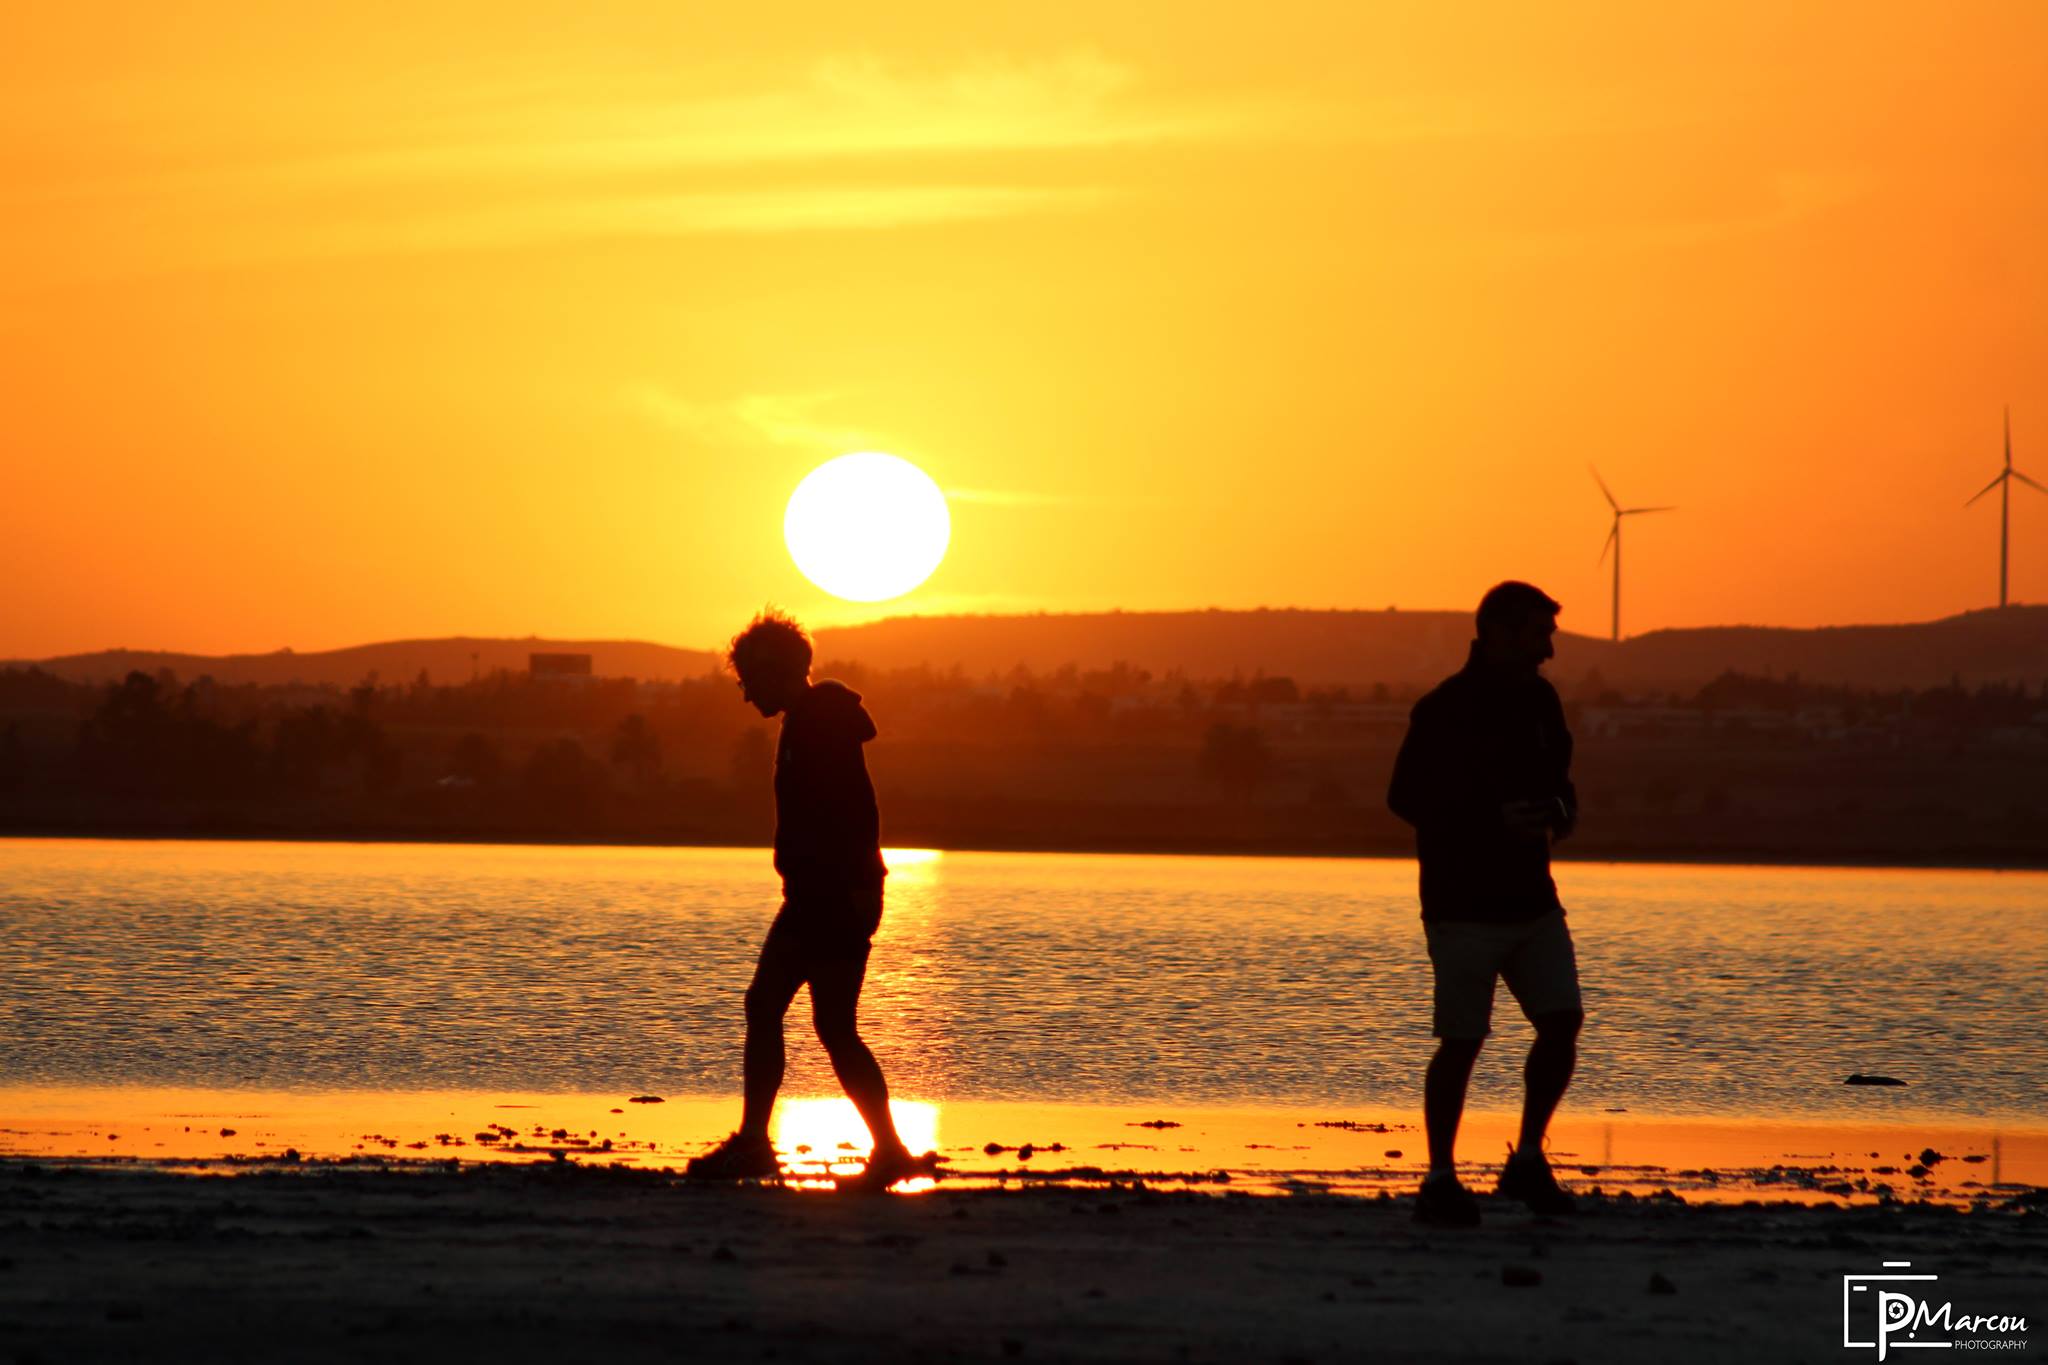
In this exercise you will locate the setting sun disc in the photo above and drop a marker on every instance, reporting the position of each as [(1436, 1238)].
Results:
[(867, 527)]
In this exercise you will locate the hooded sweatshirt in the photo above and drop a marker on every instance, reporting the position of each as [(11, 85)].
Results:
[(827, 830), (1486, 736)]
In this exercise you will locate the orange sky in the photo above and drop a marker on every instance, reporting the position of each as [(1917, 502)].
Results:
[(326, 327)]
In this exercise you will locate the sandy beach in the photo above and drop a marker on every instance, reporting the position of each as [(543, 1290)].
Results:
[(557, 1263), (191, 1225)]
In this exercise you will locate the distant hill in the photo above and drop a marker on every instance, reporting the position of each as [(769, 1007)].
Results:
[(1399, 648), (1310, 646), (1417, 647), (444, 661), (1996, 644)]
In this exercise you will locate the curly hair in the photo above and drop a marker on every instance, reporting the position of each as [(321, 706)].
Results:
[(772, 638)]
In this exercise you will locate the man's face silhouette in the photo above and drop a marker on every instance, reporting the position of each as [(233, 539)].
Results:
[(770, 689), (1524, 644)]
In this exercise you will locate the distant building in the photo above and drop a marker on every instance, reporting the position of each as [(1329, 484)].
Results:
[(558, 667)]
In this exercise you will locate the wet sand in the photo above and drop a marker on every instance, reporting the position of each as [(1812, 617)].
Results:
[(201, 1225), (559, 1263), (1271, 1150)]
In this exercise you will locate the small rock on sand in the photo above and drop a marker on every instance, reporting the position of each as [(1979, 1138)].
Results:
[(1661, 1285), (1858, 1078), (644, 1099)]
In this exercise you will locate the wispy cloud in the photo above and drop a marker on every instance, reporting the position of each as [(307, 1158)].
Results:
[(848, 143), (841, 107), (794, 208), (789, 419), (1007, 497), (797, 420)]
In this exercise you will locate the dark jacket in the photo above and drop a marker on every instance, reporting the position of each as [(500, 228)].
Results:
[(1484, 737), (827, 830)]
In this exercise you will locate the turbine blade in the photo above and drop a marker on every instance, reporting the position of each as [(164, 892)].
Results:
[(2008, 436), (1637, 511), (2028, 482), (1603, 489), (1987, 487), (1608, 544)]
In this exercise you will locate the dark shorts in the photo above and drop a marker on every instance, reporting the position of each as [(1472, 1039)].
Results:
[(827, 924), (1535, 957)]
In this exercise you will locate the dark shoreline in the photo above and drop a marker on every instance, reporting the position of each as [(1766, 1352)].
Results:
[(2030, 860), (550, 1265)]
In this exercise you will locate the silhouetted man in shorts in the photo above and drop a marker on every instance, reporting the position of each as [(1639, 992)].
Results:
[(828, 851), (1484, 775)]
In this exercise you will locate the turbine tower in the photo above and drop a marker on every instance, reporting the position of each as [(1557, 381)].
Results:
[(2003, 483), (1614, 541)]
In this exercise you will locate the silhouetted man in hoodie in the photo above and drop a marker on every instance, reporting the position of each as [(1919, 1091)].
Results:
[(828, 850), (1484, 775)]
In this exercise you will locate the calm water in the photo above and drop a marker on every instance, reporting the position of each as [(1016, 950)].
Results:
[(999, 976)]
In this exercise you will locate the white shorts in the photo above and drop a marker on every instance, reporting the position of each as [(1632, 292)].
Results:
[(1535, 957)]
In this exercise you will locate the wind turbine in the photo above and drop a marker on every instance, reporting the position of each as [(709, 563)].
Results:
[(2003, 483), (1614, 540)]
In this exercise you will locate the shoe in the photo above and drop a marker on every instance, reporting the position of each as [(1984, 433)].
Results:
[(1529, 1179), (883, 1171), (739, 1157), (1443, 1202)]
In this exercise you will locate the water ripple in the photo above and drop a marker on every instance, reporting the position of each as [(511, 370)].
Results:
[(998, 976)]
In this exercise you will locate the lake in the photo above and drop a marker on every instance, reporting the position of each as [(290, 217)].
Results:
[(1057, 978)]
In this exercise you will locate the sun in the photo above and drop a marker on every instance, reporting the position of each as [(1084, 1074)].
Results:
[(867, 527)]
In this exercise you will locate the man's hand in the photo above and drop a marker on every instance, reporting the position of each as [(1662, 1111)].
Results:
[(1531, 819)]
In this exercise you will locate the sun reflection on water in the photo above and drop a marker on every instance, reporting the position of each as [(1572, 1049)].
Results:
[(821, 1140), (912, 864)]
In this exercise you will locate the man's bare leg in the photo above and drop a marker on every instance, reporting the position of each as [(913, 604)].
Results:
[(835, 1000), (1547, 1073), (1443, 1098), (777, 978)]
